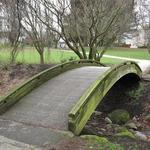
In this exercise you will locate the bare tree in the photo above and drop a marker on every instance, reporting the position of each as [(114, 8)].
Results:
[(96, 23), (144, 19), (3, 28), (34, 27), (52, 36), (13, 17)]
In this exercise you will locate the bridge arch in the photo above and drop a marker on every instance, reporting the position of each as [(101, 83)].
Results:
[(89, 101)]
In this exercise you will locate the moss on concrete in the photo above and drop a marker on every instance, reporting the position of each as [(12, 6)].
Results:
[(95, 138), (100, 143)]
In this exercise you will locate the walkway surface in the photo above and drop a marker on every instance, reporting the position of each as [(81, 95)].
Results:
[(41, 117), (144, 64)]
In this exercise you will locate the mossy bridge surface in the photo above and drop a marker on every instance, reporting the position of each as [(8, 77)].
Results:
[(57, 103)]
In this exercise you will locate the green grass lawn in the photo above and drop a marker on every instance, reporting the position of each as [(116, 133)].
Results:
[(30, 55), (130, 53)]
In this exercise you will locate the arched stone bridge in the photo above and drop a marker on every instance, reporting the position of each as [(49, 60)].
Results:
[(59, 101)]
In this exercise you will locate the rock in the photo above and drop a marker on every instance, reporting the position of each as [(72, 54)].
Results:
[(88, 130), (108, 120), (134, 118), (147, 133), (125, 133), (147, 118), (131, 125), (102, 129), (120, 129), (100, 133), (109, 126), (114, 126), (97, 113), (138, 125), (119, 116), (141, 136)]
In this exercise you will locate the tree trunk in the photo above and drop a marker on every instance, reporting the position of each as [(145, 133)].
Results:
[(42, 58), (14, 54), (12, 59), (56, 44), (91, 56)]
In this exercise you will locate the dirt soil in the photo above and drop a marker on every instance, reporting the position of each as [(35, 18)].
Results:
[(70, 144), (13, 75)]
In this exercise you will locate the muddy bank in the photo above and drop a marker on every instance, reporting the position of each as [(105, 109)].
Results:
[(127, 95), (13, 75)]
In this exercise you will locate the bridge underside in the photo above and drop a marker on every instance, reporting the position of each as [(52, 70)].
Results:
[(118, 95), (41, 117)]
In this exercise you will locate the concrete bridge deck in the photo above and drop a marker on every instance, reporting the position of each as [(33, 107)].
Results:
[(37, 116)]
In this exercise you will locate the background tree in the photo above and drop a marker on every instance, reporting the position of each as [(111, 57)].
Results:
[(34, 27), (13, 19), (95, 23), (3, 27), (143, 18)]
